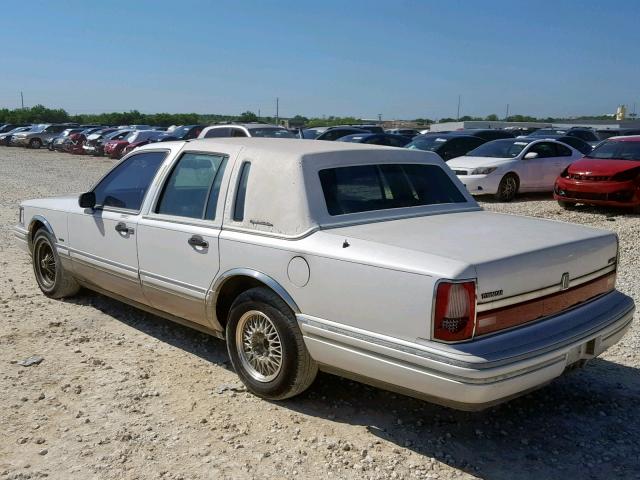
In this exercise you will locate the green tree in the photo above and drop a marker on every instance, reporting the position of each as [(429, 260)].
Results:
[(248, 117), (491, 118)]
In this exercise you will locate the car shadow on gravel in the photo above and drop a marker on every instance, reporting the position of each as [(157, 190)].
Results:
[(205, 346), (583, 425)]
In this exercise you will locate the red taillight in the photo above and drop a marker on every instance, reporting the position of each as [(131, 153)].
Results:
[(455, 311)]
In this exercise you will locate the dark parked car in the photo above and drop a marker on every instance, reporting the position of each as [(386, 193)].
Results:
[(184, 132), (575, 142), (485, 134), (617, 132), (335, 133), (377, 139), (586, 134), (448, 146)]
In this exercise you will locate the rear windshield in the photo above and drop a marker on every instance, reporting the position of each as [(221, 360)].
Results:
[(364, 188), (615, 150)]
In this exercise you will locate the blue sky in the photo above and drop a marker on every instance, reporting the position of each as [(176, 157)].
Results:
[(402, 59)]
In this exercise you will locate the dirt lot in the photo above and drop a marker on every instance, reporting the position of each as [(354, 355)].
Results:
[(122, 394)]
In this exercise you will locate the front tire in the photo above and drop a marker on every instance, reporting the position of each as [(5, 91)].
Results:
[(52, 278), (35, 143), (266, 346), (508, 188)]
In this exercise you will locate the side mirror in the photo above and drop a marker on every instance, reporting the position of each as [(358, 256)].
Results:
[(87, 200), (531, 156)]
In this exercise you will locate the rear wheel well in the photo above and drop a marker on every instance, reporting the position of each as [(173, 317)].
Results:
[(229, 292)]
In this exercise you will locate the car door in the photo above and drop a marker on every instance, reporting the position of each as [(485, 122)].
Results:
[(533, 172), (103, 239), (178, 238), (563, 157)]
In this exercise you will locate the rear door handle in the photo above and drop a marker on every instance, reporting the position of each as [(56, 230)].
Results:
[(121, 227), (198, 241)]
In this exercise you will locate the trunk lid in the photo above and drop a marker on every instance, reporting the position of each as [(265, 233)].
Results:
[(510, 254)]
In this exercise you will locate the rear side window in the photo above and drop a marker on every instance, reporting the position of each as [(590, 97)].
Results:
[(241, 194), (217, 133), (380, 187), (192, 189), (562, 151), (126, 185)]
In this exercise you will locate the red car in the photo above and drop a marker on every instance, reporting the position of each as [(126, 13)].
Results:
[(609, 175), (116, 148)]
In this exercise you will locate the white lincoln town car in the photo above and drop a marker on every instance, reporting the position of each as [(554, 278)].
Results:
[(370, 262)]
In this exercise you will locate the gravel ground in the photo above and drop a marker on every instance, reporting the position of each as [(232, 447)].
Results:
[(123, 394)]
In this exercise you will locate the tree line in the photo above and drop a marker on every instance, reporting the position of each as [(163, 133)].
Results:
[(42, 114)]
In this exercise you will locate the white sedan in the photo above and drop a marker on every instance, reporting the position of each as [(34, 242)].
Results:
[(508, 166)]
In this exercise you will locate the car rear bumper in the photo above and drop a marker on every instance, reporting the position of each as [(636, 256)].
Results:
[(476, 374), (480, 184), (617, 194)]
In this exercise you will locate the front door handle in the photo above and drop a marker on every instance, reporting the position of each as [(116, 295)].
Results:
[(121, 227), (198, 241)]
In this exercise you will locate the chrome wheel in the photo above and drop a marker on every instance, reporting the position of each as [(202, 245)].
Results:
[(259, 346), (45, 263), (508, 188)]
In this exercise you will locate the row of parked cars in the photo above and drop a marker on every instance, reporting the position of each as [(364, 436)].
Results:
[(576, 164)]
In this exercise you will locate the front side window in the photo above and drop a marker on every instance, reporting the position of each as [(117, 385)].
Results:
[(126, 185), (562, 151), (365, 188), (192, 188), (543, 149)]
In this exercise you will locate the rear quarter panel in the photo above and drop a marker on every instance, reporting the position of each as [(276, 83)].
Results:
[(378, 299)]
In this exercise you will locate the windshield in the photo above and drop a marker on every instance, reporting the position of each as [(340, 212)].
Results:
[(615, 150), (430, 143), (117, 134), (271, 133), (178, 132), (311, 133), (506, 148), (363, 188)]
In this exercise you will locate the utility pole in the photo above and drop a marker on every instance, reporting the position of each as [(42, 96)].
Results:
[(506, 117), (458, 114), (22, 100), (380, 117), (277, 111)]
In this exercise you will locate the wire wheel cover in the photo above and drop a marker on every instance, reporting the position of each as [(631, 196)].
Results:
[(259, 346)]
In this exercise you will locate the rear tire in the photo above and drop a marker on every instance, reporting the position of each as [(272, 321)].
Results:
[(567, 205), (52, 278), (266, 346), (508, 188), (35, 143)]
